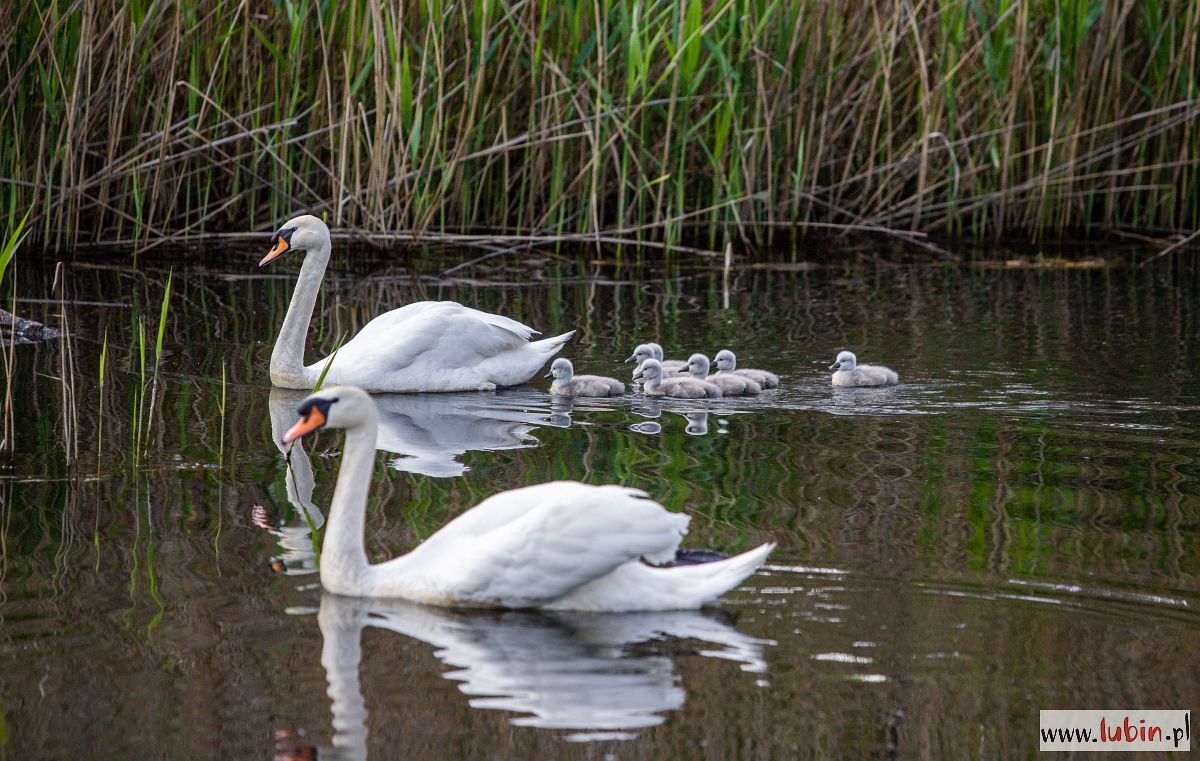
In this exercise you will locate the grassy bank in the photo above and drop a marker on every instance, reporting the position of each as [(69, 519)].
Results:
[(663, 120)]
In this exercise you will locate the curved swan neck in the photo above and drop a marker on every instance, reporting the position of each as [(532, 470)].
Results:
[(287, 359), (344, 563)]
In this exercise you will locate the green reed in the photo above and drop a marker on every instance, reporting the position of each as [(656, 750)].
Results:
[(652, 120), (143, 411), (11, 242)]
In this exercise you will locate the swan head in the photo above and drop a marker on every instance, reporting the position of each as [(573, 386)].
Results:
[(697, 365), (650, 369), (642, 353), (725, 361), (657, 351), (302, 233), (333, 407), (845, 361), (561, 369)]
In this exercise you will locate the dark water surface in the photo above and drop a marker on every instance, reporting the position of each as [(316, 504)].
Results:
[(1014, 528)]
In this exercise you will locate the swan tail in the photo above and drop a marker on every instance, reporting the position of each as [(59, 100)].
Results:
[(705, 582), (636, 586), (548, 347)]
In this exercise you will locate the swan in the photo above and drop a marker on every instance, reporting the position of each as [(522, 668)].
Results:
[(559, 546), (679, 388), (726, 362), (567, 383), (425, 346), (730, 384), (644, 352), (847, 372)]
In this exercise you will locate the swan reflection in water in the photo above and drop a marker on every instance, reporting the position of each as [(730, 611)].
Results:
[(575, 672), (695, 413)]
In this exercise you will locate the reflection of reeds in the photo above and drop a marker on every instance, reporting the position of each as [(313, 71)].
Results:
[(656, 121)]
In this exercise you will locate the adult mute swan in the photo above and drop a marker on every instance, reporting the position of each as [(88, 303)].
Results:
[(847, 372), (425, 346), (558, 546)]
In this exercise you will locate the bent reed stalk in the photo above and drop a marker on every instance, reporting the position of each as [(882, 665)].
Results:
[(666, 122)]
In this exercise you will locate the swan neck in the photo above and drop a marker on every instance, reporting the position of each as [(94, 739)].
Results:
[(287, 360), (344, 565)]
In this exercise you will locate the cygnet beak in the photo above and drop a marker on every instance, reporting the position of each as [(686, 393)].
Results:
[(632, 358), (547, 375), (835, 365)]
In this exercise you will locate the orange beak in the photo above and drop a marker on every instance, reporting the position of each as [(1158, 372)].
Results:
[(305, 426), (278, 250)]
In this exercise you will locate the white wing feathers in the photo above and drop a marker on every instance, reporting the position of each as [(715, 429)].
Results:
[(529, 546), (434, 334)]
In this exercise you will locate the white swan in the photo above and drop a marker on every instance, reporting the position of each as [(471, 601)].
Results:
[(729, 383), (561, 545), (644, 352), (847, 372), (567, 383), (726, 362), (425, 346), (651, 371)]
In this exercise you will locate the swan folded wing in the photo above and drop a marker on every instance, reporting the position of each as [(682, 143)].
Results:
[(531, 546), (441, 335)]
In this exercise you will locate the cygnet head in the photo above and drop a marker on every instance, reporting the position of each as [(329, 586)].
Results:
[(650, 369), (642, 353), (697, 365), (725, 361), (845, 361), (333, 407), (561, 369), (303, 233), (657, 349)]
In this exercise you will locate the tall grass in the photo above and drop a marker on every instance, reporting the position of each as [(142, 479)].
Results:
[(665, 121)]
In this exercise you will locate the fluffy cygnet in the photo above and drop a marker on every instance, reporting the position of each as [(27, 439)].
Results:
[(726, 362), (729, 383), (567, 383), (644, 352), (651, 370), (847, 372)]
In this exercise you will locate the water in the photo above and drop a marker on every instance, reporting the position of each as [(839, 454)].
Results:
[(1013, 528)]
